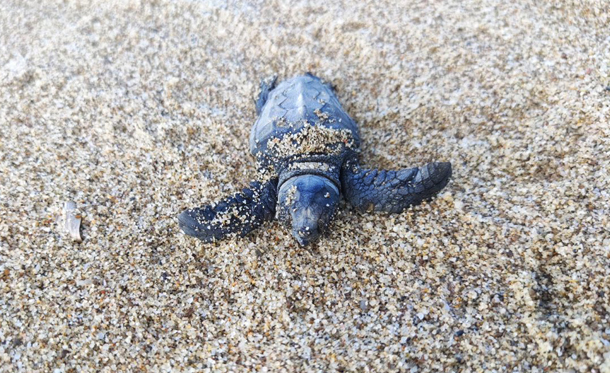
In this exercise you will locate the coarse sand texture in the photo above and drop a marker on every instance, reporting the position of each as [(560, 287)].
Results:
[(136, 111)]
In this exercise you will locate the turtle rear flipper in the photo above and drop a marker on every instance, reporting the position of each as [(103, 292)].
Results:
[(267, 85), (240, 213), (393, 191)]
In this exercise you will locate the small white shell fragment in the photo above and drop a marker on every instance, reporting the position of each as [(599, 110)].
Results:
[(71, 223)]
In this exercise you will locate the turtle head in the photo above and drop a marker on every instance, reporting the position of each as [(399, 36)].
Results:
[(307, 204)]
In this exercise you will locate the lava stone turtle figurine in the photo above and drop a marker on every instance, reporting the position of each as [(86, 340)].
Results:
[(306, 147)]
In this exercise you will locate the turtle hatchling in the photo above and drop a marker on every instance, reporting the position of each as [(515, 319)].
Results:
[(307, 147)]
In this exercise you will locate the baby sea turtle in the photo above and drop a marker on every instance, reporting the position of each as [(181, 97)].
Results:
[(306, 147)]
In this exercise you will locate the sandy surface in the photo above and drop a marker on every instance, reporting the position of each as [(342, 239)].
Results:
[(137, 112)]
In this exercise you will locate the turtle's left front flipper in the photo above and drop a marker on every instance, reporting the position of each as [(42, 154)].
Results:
[(240, 213), (393, 191)]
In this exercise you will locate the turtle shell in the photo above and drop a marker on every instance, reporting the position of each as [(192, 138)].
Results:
[(302, 117)]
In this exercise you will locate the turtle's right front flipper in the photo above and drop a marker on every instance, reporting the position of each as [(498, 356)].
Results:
[(240, 213)]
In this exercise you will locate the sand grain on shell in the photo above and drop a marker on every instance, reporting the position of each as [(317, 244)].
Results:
[(312, 139), (136, 112)]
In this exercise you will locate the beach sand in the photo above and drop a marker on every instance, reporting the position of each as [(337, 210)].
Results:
[(138, 111)]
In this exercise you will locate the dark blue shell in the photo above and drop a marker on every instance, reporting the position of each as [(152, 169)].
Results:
[(292, 104)]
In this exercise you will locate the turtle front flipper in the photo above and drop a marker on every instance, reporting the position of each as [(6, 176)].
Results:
[(240, 213), (393, 191)]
